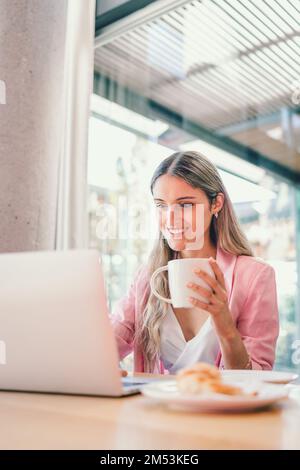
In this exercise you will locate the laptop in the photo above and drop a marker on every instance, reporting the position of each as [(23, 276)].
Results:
[(55, 331)]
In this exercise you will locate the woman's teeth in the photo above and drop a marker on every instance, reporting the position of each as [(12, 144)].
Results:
[(175, 231)]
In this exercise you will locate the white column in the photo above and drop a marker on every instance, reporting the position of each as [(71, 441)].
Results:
[(72, 214), (33, 36)]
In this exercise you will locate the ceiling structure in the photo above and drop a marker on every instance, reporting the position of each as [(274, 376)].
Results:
[(231, 68)]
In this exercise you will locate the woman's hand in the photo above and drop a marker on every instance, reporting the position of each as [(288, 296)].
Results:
[(217, 298), (235, 355)]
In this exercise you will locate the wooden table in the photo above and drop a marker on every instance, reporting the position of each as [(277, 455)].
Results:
[(41, 421)]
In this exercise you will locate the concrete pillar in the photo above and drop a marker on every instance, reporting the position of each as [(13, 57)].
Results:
[(32, 38), (32, 48)]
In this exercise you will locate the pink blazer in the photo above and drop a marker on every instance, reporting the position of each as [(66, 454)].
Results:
[(251, 288)]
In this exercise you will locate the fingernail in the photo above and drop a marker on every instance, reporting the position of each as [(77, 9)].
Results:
[(191, 299), (197, 271), (189, 284)]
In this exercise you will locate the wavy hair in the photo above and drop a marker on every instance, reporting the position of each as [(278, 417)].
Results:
[(199, 172)]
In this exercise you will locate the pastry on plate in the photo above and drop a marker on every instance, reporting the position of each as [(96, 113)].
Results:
[(205, 378)]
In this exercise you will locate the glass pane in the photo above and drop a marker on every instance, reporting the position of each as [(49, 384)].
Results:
[(218, 77)]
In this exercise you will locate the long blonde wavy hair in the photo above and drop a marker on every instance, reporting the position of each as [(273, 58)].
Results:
[(199, 172)]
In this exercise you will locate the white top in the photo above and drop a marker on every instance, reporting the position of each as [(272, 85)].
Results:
[(177, 353)]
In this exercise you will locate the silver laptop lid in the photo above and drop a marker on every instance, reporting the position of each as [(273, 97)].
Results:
[(55, 333)]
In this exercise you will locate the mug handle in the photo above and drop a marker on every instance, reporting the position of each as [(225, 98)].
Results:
[(157, 271)]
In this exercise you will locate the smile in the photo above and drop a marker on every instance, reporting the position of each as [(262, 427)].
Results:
[(175, 231)]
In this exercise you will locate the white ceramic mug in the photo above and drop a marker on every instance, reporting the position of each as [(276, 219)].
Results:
[(180, 273)]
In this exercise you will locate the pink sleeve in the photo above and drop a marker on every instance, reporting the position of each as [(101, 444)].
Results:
[(123, 320), (258, 323)]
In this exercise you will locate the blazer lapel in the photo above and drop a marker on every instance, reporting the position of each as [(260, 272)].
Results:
[(226, 262)]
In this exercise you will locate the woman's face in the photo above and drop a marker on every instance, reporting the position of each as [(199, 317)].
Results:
[(184, 212)]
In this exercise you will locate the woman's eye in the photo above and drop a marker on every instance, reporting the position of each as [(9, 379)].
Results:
[(183, 205)]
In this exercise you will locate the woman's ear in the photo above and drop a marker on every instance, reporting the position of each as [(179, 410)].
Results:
[(218, 204)]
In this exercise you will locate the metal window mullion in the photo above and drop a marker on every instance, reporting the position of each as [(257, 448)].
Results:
[(282, 62), (141, 46), (290, 51), (294, 46), (248, 35), (193, 27), (255, 20), (168, 99), (114, 75), (261, 74), (269, 57), (213, 122), (260, 102), (295, 5), (218, 85), (136, 54), (255, 88), (194, 48), (294, 14), (194, 83), (197, 19), (268, 68), (163, 51), (207, 48), (262, 10), (136, 19), (171, 97), (194, 55), (220, 28), (131, 68), (291, 57), (162, 74), (194, 99), (269, 13), (277, 8), (188, 90), (213, 96), (154, 46), (242, 20), (263, 84), (215, 15), (252, 84), (115, 67), (265, 73), (223, 79)]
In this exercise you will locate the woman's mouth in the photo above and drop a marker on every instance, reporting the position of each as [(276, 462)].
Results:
[(175, 231)]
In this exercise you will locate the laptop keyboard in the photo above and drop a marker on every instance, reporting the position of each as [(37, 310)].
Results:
[(132, 383)]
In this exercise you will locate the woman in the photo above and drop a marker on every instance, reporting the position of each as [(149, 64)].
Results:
[(238, 327)]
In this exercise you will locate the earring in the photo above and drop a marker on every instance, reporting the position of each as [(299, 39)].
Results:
[(216, 215)]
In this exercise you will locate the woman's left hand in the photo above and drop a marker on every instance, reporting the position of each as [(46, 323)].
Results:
[(217, 297)]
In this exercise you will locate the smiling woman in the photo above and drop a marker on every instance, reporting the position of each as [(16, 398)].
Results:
[(237, 325)]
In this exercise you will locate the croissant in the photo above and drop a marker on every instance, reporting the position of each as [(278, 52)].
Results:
[(203, 377)]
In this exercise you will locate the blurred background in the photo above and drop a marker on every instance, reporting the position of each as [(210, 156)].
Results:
[(133, 81), (220, 77)]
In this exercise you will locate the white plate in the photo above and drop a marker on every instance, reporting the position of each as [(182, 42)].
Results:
[(270, 376), (167, 392)]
